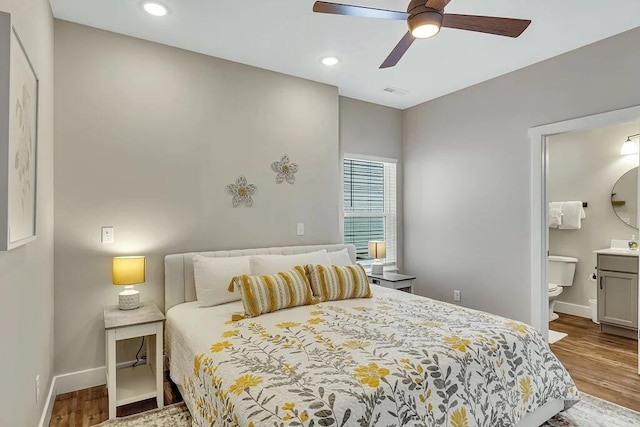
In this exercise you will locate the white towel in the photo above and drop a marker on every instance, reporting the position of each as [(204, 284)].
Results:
[(555, 214), (572, 216)]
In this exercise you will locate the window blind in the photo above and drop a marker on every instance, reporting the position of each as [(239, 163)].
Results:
[(370, 205), (363, 186)]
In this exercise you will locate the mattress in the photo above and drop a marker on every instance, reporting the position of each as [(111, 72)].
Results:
[(394, 359)]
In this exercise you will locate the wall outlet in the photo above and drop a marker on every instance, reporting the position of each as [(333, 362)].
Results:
[(107, 234), (37, 388), (456, 296), (300, 229)]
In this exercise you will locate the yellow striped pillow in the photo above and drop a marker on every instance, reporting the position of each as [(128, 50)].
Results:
[(334, 282), (269, 293)]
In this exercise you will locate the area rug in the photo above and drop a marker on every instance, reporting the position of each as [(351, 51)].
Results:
[(589, 412), (170, 416), (554, 336)]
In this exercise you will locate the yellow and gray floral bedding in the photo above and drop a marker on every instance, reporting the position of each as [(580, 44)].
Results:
[(391, 360)]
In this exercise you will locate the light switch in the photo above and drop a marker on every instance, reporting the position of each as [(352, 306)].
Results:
[(107, 234), (301, 229)]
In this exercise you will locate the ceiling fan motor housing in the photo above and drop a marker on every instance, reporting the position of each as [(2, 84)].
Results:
[(420, 16)]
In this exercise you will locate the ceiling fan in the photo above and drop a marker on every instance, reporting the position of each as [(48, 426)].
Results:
[(425, 18)]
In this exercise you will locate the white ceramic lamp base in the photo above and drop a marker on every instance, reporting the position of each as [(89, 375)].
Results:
[(129, 299), (377, 268)]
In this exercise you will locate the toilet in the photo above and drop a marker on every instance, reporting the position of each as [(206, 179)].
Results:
[(560, 273)]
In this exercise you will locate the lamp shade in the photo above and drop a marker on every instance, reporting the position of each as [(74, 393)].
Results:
[(629, 147), (128, 270), (377, 249)]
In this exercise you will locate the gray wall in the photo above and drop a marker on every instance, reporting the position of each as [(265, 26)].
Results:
[(467, 170), (585, 166), (148, 138), (370, 129), (374, 130), (26, 273)]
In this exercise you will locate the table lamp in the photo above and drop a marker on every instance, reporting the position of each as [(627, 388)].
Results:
[(129, 271), (377, 250)]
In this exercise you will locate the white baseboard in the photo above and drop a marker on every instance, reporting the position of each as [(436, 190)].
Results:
[(574, 309), (74, 381), (88, 378), (45, 418)]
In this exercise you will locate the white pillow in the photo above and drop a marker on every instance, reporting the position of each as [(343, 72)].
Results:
[(266, 264), (341, 258), (213, 275)]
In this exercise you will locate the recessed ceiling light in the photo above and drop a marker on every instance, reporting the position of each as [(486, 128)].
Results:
[(155, 9), (330, 61)]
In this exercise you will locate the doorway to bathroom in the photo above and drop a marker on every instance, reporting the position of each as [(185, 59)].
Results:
[(584, 201)]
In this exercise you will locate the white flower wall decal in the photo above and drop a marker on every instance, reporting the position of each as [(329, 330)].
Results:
[(285, 170), (241, 192)]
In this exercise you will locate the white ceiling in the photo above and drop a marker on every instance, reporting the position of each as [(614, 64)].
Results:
[(286, 36)]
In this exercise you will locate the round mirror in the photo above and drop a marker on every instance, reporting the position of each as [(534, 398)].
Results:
[(624, 198)]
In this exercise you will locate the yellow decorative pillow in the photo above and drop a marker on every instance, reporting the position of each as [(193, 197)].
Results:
[(273, 292), (334, 282)]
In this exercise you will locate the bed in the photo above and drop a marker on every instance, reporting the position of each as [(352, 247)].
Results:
[(394, 359)]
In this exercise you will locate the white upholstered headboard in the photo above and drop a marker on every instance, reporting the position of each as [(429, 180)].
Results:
[(179, 285)]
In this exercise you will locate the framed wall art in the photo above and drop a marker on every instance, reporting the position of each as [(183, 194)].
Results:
[(18, 140)]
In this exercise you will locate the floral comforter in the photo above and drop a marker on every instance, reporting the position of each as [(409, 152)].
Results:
[(391, 360)]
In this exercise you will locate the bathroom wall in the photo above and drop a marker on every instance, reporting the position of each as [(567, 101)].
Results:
[(585, 166)]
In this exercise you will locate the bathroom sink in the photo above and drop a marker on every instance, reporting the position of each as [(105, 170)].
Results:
[(619, 247)]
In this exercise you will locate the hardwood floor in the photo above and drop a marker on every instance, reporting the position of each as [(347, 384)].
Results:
[(602, 365), (90, 406)]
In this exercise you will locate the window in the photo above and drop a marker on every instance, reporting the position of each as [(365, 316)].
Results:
[(370, 205)]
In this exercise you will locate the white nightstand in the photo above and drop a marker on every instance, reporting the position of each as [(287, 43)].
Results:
[(142, 382), (393, 281)]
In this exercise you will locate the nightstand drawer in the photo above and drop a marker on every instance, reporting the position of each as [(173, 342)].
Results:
[(383, 283), (405, 285), (135, 331)]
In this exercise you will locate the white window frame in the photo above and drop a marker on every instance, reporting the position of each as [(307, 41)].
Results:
[(387, 214)]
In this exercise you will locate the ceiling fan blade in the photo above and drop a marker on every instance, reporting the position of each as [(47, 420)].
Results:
[(398, 51), (437, 4), (363, 12), (508, 27)]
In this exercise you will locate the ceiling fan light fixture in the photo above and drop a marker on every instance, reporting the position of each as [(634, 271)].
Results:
[(425, 24), (425, 31)]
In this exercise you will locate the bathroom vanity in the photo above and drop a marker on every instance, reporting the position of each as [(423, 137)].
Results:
[(618, 291)]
